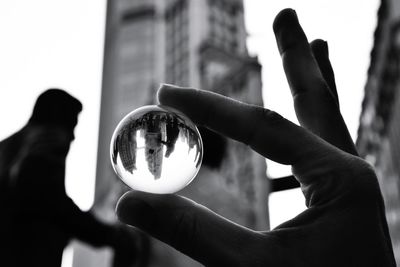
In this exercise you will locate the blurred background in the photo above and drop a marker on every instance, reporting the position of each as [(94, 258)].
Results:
[(112, 55)]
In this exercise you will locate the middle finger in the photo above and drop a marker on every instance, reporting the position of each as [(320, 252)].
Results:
[(315, 105)]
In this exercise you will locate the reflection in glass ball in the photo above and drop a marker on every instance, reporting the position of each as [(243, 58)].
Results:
[(156, 149)]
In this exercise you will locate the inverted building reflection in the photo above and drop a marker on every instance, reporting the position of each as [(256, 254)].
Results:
[(156, 133)]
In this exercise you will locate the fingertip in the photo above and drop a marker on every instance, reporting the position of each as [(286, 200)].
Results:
[(162, 91), (319, 47), (133, 209), (183, 99), (121, 206), (166, 92), (287, 29), (287, 16)]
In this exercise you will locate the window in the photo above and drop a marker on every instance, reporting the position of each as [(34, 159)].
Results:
[(177, 43), (224, 24)]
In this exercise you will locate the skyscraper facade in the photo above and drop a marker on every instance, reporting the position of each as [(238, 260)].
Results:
[(379, 131), (198, 44)]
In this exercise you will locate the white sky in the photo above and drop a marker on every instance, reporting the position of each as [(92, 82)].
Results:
[(55, 43)]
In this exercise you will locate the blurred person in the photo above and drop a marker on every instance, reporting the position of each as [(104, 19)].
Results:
[(38, 219), (344, 224)]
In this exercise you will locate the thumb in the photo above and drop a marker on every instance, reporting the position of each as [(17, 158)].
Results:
[(187, 226)]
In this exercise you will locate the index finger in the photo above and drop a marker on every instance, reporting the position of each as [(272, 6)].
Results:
[(265, 131)]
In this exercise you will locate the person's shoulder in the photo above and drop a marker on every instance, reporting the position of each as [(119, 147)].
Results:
[(42, 147)]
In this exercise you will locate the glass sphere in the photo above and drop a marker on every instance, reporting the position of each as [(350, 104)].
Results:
[(156, 149)]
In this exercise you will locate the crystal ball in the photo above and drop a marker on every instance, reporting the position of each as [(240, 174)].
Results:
[(156, 149)]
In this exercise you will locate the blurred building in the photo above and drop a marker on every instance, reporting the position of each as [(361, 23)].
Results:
[(199, 44), (379, 132)]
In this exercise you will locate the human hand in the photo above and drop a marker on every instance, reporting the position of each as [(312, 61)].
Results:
[(345, 222), (131, 247)]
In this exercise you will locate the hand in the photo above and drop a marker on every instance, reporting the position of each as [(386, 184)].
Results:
[(345, 222), (131, 247)]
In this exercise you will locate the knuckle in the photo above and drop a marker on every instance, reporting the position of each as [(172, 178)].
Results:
[(315, 88), (364, 182), (267, 115), (264, 116), (327, 95)]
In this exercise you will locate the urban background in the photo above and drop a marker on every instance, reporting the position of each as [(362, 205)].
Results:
[(205, 44), (200, 44)]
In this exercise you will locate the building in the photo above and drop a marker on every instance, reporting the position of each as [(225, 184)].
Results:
[(379, 131), (189, 43)]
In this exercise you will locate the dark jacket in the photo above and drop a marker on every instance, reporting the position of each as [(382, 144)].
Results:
[(38, 218)]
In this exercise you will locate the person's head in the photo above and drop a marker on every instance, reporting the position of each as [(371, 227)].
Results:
[(56, 108)]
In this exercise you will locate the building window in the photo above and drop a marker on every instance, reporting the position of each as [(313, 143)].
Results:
[(138, 14), (224, 24), (177, 43), (390, 79)]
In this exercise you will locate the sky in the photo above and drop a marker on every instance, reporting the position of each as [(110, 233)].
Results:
[(54, 43), (59, 43)]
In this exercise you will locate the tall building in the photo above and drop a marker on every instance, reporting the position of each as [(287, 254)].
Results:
[(199, 44), (379, 132)]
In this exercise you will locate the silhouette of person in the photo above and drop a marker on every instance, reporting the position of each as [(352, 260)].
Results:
[(38, 218), (344, 223)]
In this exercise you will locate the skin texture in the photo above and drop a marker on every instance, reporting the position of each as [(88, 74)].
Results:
[(345, 222)]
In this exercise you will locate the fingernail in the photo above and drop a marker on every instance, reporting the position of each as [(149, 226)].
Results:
[(164, 86), (168, 93), (320, 48), (294, 12), (326, 48), (287, 29), (167, 85), (286, 17), (161, 90)]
